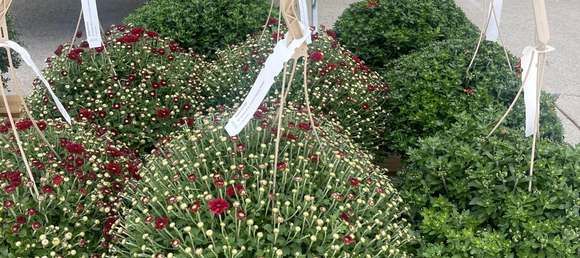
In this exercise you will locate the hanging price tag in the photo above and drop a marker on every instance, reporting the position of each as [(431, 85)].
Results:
[(304, 18), (315, 15), (26, 56), (531, 86), (492, 29), (92, 23)]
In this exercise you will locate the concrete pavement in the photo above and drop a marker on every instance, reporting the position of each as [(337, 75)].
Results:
[(46, 24)]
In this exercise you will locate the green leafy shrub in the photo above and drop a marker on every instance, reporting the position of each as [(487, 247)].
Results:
[(78, 193), (212, 195), (430, 87), (380, 31), (339, 83), (148, 91), (13, 34), (202, 25), (462, 186)]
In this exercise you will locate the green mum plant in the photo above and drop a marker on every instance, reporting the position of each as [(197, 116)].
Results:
[(146, 92), (77, 202), (203, 26), (469, 194), (339, 83), (429, 88), (380, 31), (207, 194)]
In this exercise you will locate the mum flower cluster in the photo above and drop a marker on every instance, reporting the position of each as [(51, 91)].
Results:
[(339, 83), (212, 195), (144, 90), (78, 187)]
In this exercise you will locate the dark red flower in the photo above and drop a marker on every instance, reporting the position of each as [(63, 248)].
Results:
[(47, 189), (114, 169), (83, 191), (79, 34), (21, 220), (57, 179), (344, 217), (24, 125), (160, 223), (331, 33), (241, 215), (195, 206), (15, 229), (218, 205), (9, 189), (219, 183), (231, 192), (137, 31), (75, 148), (353, 182), (36, 225), (152, 34), (246, 68), (191, 177), (313, 157), (281, 166), (347, 240), (272, 20), (304, 126), (277, 36), (240, 147), (163, 113), (31, 211), (41, 125), (316, 56)]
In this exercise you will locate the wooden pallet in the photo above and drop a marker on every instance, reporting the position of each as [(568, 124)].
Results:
[(15, 107)]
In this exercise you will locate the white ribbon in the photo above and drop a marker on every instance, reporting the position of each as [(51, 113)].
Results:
[(264, 82), (26, 56), (492, 28), (304, 18), (531, 86), (92, 24)]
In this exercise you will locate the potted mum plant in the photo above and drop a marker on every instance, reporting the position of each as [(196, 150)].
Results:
[(339, 83), (206, 194), (77, 186), (137, 86)]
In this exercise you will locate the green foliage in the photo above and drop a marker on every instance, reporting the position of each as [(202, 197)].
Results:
[(388, 30), (203, 25), (13, 34), (429, 88), (463, 187)]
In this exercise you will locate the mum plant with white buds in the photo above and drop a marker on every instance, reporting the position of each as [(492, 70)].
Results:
[(137, 85), (77, 186), (339, 83), (206, 194)]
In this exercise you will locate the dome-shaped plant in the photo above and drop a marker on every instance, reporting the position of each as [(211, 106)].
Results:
[(77, 202), (380, 31), (201, 25), (339, 83), (212, 195), (147, 91)]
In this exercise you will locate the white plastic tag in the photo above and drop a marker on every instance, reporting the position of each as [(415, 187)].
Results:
[(272, 68), (531, 86), (26, 56), (492, 29), (304, 18), (92, 24), (315, 15)]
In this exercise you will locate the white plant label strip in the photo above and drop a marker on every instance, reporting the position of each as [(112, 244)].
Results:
[(530, 88), (26, 56), (92, 24), (264, 82), (304, 18), (492, 30)]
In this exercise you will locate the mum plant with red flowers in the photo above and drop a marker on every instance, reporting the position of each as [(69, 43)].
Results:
[(78, 187), (339, 83), (218, 197), (139, 95)]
